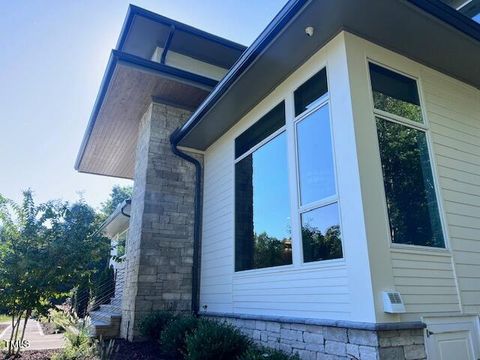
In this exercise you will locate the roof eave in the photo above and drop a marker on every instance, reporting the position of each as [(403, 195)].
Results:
[(117, 57), (437, 9)]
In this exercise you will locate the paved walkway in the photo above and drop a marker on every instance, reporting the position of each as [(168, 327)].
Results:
[(36, 338)]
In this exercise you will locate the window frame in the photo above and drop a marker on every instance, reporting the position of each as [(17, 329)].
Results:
[(298, 210), (269, 138), (293, 177), (419, 126)]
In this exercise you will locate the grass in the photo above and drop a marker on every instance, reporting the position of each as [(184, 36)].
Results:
[(5, 318)]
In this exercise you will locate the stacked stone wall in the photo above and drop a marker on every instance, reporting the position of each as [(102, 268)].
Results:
[(324, 342), (159, 254)]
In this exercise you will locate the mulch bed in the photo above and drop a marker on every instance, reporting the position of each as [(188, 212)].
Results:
[(35, 355), (126, 351), (3, 327), (137, 351)]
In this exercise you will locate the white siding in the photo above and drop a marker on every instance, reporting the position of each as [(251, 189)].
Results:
[(287, 291), (315, 290)]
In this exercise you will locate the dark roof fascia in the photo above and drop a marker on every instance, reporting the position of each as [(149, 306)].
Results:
[(434, 7), (143, 64), (287, 13), (135, 10), (450, 16)]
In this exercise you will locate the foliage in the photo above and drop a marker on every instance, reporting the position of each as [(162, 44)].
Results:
[(44, 252), (409, 186), (61, 320), (397, 106), (104, 288), (262, 353), (81, 297), (154, 323), (318, 246), (118, 195), (270, 251), (105, 349), (219, 341), (174, 335), (79, 346)]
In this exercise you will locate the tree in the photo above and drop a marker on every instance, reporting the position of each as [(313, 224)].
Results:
[(118, 195), (45, 251)]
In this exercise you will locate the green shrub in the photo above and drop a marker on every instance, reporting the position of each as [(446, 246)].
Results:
[(216, 341), (79, 346), (261, 353), (153, 324), (174, 335)]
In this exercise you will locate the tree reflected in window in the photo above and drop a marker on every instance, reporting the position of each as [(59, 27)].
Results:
[(270, 251), (409, 186), (321, 234)]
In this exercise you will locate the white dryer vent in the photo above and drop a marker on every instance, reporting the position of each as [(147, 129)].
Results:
[(393, 302)]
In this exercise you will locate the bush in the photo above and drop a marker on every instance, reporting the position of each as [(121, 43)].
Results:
[(79, 346), (153, 324), (260, 353), (216, 341), (174, 335)]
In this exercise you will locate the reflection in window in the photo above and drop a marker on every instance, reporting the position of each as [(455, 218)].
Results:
[(262, 207), (409, 188), (259, 131), (395, 93), (315, 157), (311, 90), (321, 234)]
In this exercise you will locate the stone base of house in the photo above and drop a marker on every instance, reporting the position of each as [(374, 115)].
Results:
[(332, 340)]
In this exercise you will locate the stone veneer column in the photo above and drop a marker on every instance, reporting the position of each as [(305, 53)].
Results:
[(160, 240)]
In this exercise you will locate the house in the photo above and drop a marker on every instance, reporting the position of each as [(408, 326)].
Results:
[(108, 312), (319, 189)]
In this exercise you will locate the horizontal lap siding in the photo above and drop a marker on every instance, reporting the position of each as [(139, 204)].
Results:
[(426, 282), (454, 116), (217, 251), (314, 292)]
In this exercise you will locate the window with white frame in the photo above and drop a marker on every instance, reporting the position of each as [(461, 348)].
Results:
[(262, 201), (411, 198), (263, 228), (317, 194)]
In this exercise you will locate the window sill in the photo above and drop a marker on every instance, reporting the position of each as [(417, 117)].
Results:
[(420, 250), (317, 265)]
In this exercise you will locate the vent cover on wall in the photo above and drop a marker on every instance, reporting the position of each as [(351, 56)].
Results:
[(393, 302)]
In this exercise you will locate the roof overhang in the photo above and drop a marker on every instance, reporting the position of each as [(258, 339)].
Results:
[(156, 58), (426, 31)]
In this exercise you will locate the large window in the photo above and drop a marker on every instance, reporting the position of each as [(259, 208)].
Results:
[(262, 201), (318, 209), (266, 184), (412, 205)]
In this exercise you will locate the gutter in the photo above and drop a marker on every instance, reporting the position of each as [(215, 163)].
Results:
[(197, 221), (274, 28), (118, 210), (435, 8)]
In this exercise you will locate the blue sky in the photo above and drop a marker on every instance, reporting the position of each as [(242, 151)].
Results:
[(52, 58)]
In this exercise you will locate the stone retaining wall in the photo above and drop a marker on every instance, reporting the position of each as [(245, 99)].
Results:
[(318, 342)]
